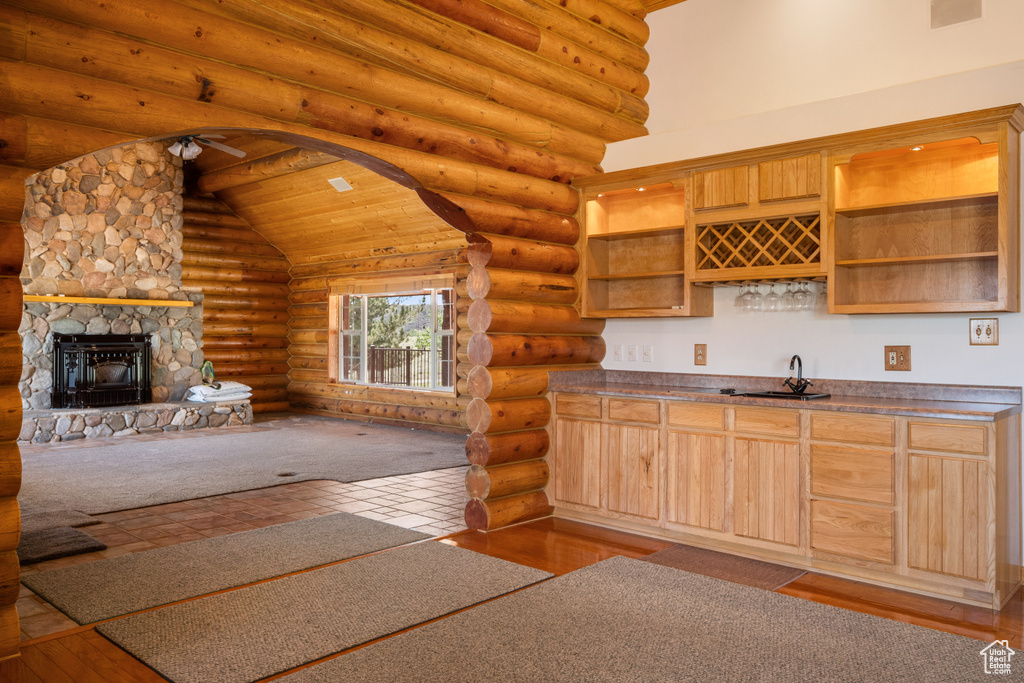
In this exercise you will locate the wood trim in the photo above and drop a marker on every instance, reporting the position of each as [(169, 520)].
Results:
[(108, 302)]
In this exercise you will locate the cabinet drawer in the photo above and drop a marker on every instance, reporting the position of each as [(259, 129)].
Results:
[(696, 415), (578, 406), (851, 473), (953, 438), (852, 530), (873, 430), (773, 422), (633, 411)]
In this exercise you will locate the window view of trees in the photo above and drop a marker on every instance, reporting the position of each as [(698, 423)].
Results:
[(399, 340)]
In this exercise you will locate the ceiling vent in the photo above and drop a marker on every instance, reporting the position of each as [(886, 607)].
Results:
[(340, 184), (949, 12)]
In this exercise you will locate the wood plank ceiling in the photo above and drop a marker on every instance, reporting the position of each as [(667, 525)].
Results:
[(295, 207)]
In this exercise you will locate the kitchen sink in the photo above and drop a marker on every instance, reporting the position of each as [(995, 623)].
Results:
[(783, 394)]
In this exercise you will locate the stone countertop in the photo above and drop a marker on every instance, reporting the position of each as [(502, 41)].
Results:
[(910, 400)]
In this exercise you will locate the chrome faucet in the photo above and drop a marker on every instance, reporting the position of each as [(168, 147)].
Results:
[(801, 384)]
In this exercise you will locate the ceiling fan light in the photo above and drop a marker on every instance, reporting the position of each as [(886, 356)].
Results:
[(175, 149), (190, 151)]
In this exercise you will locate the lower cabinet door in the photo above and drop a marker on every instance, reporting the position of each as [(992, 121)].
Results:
[(633, 471), (578, 462), (948, 516), (696, 480), (766, 493)]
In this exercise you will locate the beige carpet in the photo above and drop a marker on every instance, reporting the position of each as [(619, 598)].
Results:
[(138, 472), (623, 621), (254, 632), (120, 585), (743, 570)]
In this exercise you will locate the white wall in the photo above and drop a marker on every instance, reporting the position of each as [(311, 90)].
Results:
[(735, 74)]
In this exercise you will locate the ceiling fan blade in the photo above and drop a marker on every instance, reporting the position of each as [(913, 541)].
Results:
[(224, 148), (213, 135)]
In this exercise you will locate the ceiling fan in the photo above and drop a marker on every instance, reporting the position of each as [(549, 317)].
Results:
[(187, 146)]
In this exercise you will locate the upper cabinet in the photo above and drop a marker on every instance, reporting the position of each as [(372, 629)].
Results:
[(914, 218), (635, 254), (927, 226)]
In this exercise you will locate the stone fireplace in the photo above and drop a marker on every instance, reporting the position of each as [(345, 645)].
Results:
[(103, 256)]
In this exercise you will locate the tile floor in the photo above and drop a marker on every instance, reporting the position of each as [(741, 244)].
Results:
[(431, 502)]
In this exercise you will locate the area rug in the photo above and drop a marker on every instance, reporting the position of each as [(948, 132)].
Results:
[(138, 472), (257, 631), (623, 620), (129, 583), (52, 544), (743, 570)]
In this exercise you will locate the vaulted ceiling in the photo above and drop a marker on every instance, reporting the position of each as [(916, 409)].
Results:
[(284, 193)]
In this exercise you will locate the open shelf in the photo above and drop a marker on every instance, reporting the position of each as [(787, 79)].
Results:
[(907, 260), (923, 204), (918, 231), (638, 276), (630, 234)]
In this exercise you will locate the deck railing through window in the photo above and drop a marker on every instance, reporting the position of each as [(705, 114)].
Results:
[(405, 367)]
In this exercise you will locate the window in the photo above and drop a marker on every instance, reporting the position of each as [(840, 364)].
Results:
[(397, 338)]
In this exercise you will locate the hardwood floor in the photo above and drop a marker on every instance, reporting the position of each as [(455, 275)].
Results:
[(559, 546)]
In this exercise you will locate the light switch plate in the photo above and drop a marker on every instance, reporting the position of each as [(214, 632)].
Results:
[(984, 331), (617, 352), (631, 353), (648, 353)]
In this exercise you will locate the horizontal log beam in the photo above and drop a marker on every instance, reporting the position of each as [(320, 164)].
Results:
[(235, 329), (504, 480), (271, 407), (239, 289), (516, 221), (220, 343), (503, 383), (499, 350), (499, 316), (508, 415), (497, 449), (487, 515), (517, 285), (229, 301), (245, 369), (498, 251), (192, 272)]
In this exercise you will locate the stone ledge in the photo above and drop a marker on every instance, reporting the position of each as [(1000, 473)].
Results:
[(70, 424)]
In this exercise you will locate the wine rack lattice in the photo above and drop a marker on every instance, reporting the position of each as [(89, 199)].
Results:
[(785, 241)]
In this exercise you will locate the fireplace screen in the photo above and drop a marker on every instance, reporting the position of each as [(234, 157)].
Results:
[(91, 370)]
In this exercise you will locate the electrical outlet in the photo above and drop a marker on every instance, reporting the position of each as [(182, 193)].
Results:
[(897, 358), (700, 354), (631, 353), (648, 353), (984, 331), (617, 352)]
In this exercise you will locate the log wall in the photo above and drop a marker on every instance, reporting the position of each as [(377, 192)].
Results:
[(497, 121), (244, 280)]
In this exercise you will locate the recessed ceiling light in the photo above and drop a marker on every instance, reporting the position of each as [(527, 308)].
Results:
[(640, 189), (340, 184), (916, 148), (600, 194)]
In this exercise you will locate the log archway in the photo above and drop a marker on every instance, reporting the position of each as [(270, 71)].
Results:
[(497, 122)]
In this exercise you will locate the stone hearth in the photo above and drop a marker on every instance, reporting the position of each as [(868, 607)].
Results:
[(50, 426)]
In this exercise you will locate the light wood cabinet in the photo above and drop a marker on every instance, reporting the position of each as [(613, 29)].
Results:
[(913, 218), (928, 225), (578, 467), (767, 490), (633, 471), (635, 254), (930, 505), (697, 480)]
